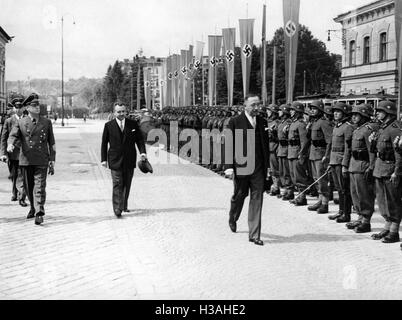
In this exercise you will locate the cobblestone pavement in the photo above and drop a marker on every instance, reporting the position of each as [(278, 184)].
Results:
[(175, 243)]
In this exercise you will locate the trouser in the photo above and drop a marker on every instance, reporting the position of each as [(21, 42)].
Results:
[(298, 173), (255, 184), (389, 199), (274, 168), (17, 180), (342, 185), (363, 194), (318, 169), (284, 172), (121, 188), (35, 187)]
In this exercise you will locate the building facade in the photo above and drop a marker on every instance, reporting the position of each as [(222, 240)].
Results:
[(369, 60), (4, 39)]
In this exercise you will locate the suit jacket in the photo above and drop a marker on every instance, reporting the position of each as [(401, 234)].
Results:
[(37, 141), (241, 122), (122, 153), (8, 125)]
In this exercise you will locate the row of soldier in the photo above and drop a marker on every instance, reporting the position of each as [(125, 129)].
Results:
[(355, 150)]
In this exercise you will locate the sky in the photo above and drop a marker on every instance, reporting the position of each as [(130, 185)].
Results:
[(110, 30)]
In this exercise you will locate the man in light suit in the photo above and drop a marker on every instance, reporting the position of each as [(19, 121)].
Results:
[(121, 135), (249, 175), (18, 191)]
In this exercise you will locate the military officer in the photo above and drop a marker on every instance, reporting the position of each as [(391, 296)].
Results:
[(272, 126), (387, 172), (320, 151), (38, 153), (282, 153), (298, 151), (361, 167), (18, 191), (339, 160)]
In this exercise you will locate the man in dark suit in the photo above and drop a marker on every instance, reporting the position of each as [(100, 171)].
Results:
[(249, 174), (38, 153), (18, 191), (121, 134)]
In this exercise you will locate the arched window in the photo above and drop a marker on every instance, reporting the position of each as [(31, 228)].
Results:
[(383, 46), (366, 50), (352, 53)]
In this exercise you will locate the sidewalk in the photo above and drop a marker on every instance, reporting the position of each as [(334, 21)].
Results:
[(176, 243)]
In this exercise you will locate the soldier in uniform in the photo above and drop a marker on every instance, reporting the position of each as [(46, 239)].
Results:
[(387, 172), (37, 156), (282, 153), (18, 191), (298, 151), (273, 123), (361, 169), (320, 151), (339, 160)]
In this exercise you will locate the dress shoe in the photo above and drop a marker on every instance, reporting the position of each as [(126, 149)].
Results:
[(38, 219), (314, 207), (117, 213), (233, 226), (391, 237), (258, 242), (31, 214), (363, 228), (379, 236), (343, 218), (335, 216), (322, 209), (353, 224), (274, 193), (23, 203), (14, 198), (301, 202), (126, 210), (336, 200), (292, 201)]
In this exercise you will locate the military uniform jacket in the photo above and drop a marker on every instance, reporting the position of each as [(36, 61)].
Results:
[(388, 160), (297, 138), (321, 138), (341, 144), (362, 158), (8, 125), (37, 141), (283, 130), (272, 129)]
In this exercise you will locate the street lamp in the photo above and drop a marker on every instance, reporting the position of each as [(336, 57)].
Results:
[(62, 65)]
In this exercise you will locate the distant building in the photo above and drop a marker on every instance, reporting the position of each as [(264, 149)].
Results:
[(369, 63), (4, 39)]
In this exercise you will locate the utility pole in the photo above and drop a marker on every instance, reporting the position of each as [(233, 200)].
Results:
[(304, 82)]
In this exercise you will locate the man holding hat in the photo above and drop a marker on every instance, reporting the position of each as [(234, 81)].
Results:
[(387, 172), (18, 191), (120, 136), (37, 156)]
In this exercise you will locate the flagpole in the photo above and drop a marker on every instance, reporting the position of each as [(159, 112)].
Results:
[(264, 52), (274, 77), (400, 75)]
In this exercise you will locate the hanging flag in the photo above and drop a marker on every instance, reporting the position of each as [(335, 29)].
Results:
[(199, 48), (246, 46), (291, 33), (264, 58), (162, 84), (169, 81), (190, 66), (214, 50), (229, 37), (175, 64), (147, 86), (182, 76)]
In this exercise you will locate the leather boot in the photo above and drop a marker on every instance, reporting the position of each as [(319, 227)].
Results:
[(315, 206), (353, 224), (322, 209), (363, 228), (343, 218), (301, 201), (391, 237), (335, 216)]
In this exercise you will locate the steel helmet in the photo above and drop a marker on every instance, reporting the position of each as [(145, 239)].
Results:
[(388, 107), (297, 106), (365, 110), (318, 104), (273, 108), (345, 108), (285, 108)]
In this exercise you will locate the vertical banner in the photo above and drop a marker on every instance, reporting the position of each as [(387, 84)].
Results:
[(162, 84), (199, 48), (190, 66), (398, 32), (291, 33), (229, 37), (264, 58), (246, 46), (175, 63), (214, 51), (182, 78), (169, 82), (147, 86)]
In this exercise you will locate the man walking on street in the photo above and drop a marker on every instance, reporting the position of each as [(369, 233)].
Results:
[(18, 191), (38, 154), (121, 135), (249, 176)]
